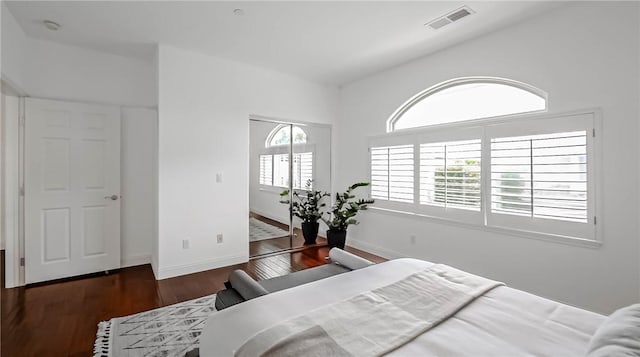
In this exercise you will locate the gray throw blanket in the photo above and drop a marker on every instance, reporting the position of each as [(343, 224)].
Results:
[(375, 322)]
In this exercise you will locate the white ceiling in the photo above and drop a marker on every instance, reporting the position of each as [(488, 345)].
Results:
[(327, 42)]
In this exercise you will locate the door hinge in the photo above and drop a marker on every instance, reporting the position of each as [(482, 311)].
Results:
[(21, 191), (22, 261), (594, 220), (593, 132), (22, 121)]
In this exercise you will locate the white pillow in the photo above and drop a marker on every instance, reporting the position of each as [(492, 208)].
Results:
[(618, 335), (348, 260)]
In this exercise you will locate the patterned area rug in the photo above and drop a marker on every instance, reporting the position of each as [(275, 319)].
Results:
[(168, 331), (259, 230)]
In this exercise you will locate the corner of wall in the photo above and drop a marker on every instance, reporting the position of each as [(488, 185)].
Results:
[(11, 199), (155, 254), (131, 261), (202, 265), (12, 49), (2, 170)]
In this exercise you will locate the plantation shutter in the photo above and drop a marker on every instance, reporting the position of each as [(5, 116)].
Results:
[(392, 173), (302, 169), (266, 170), (281, 170), (532, 175), (542, 176), (450, 174)]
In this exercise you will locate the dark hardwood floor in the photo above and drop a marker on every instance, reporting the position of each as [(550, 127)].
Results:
[(279, 244), (60, 319), (272, 245)]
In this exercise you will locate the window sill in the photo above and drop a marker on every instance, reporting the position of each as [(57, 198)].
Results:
[(573, 241), (278, 190), (272, 189)]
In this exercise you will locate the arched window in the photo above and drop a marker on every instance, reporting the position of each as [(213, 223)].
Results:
[(466, 99), (532, 173), (274, 162), (281, 136)]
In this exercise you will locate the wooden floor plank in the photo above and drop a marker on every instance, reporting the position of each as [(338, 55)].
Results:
[(60, 319), (268, 246)]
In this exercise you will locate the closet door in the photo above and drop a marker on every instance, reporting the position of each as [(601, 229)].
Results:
[(269, 220), (285, 156), (72, 189), (311, 164)]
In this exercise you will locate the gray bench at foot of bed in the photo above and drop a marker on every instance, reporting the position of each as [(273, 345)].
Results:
[(242, 287)]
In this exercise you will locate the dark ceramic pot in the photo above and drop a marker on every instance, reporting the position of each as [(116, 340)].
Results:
[(310, 232), (336, 239)]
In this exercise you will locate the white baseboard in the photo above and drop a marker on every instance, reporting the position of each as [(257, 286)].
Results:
[(374, 249), (135, 260), (177, 270)]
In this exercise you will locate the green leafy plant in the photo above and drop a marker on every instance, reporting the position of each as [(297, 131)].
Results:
[(307, 205), (345, 208)]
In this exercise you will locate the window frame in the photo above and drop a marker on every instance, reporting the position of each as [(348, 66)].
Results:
[(538, 127), (397, 115), (441, 135), (272, 134), (396, 201), (284, 150), (592, 123)]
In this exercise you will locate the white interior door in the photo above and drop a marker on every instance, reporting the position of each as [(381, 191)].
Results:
[(72, 189)]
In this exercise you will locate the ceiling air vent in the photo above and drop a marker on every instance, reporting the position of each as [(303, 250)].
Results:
[(450, 17)]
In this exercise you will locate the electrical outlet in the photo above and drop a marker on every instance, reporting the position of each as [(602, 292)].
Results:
[(185, 244), (412, 238), (219, 237), (219, 178)]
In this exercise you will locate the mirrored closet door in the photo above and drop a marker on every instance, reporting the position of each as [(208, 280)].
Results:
[(290, 158)]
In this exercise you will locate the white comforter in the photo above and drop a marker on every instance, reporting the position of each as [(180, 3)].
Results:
[(503, 322)]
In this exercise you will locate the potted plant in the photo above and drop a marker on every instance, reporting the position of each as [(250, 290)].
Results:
[(307, 206), (343, 214)]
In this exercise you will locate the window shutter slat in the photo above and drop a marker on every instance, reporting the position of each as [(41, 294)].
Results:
[(302, 169), (266, 170), (556, 170), (450, 174), (281, 170), (392, 173)]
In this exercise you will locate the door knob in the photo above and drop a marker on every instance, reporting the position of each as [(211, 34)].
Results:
[(112, 197)]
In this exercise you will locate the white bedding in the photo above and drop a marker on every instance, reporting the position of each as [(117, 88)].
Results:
[(503, 322)]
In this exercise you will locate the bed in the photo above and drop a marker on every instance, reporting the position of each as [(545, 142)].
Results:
[(501, 321)]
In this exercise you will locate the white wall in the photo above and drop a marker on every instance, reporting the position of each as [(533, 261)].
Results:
[(138, 191), (581, 65), (10, 203), (638, 103), (154, 241), (53, 70), (3, 114), (12, 48), (204, 106)]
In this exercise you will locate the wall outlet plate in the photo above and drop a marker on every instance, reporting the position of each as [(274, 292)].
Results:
[(219, 238), (185, 244)]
